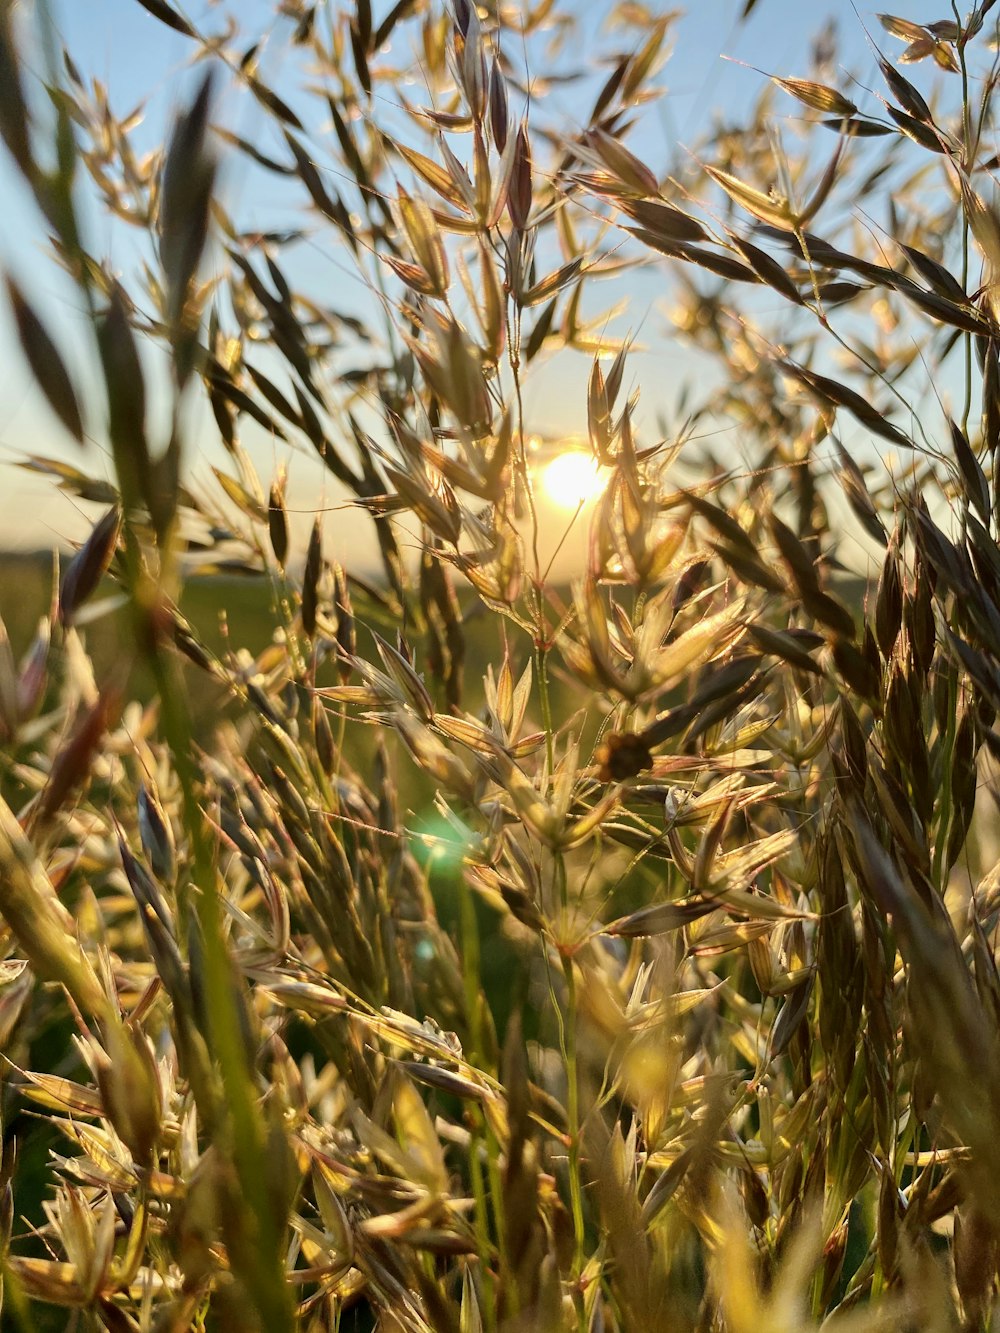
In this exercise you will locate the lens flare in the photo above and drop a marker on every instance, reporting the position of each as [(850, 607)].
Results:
[(572, 479)]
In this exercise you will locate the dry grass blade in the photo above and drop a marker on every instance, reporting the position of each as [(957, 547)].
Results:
[(953, 1035), (15, 123), (771, 208), (832, 392), (859, 498), (168, 15), (973, 478), (817, 96), (40, 923), (905, 93), (46, 363), (185, 197), (88, 566)]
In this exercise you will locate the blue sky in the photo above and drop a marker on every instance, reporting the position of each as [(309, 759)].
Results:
[(141, 61)]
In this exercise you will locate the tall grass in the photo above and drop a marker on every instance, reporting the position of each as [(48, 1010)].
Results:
[(683, 1011)]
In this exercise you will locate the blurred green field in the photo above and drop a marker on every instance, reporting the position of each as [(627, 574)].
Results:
[(226, 612)]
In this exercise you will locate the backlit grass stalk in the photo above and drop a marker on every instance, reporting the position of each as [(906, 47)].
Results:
[(261, 1267)]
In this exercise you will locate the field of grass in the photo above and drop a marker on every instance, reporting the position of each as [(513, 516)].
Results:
[(452, 950)]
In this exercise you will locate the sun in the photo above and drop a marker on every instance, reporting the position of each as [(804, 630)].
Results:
[(572, 479)]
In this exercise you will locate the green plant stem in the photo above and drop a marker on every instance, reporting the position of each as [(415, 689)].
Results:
[(944, 809), (470, 974), (969, 148), (541, 627), (474, 1052), (482, 1222), (569, 1037), (508, 1285), (14, 1302), (265, 1277), (545, 704)]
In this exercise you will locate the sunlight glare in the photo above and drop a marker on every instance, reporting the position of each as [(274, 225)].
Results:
[(572, 479)]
